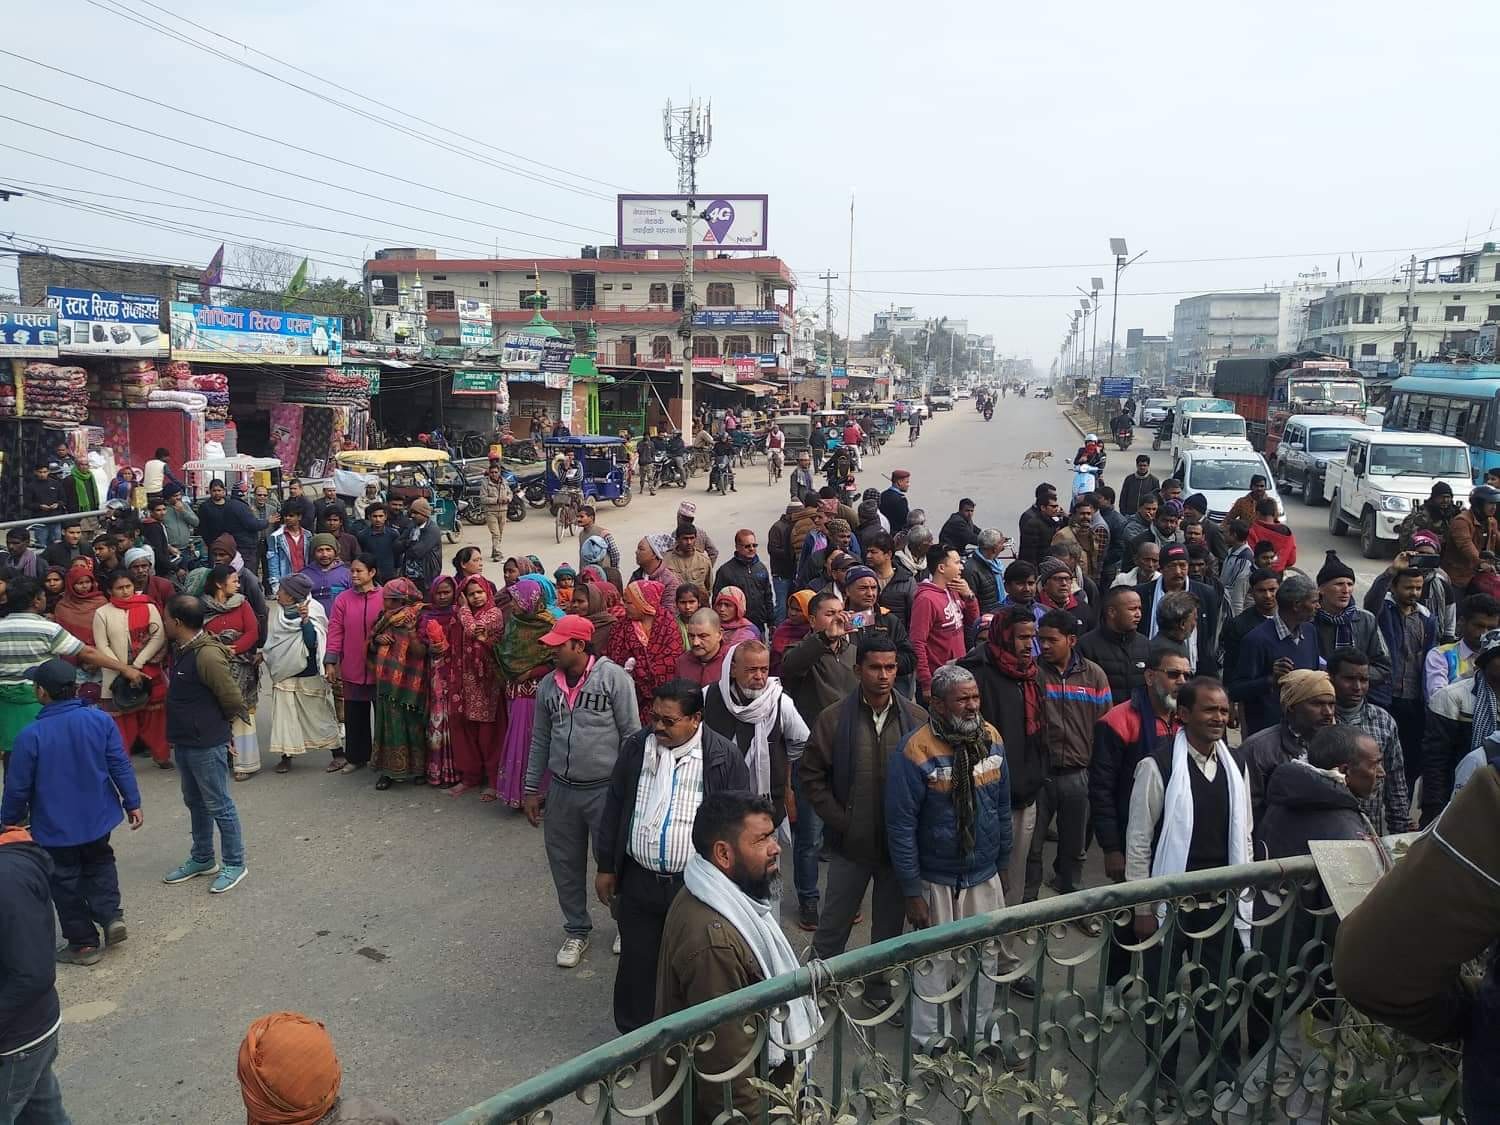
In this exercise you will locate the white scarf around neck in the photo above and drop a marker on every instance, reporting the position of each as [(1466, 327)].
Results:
[(1171, 853), (286, 655), (756, 923), (763, 712), (663, 759), (1192, 641)]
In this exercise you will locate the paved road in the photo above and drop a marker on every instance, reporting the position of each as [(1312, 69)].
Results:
[(421, 929)]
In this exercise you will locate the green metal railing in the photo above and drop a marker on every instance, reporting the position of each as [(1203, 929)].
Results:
[(1191, 1023)]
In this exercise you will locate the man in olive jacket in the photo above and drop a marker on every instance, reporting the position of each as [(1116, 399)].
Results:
[(843, 778)]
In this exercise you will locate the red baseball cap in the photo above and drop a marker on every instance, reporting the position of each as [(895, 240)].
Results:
[(570, 628)]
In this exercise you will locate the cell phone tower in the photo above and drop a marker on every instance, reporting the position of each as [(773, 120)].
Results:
[(688, 131)]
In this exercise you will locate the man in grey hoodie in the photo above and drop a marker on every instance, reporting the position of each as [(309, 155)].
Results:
[(584, 711)]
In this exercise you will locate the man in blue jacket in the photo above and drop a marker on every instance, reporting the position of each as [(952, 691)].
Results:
[(948, 830), (70, 770)]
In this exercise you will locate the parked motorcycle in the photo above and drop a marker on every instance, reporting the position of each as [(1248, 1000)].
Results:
[(667, 472)]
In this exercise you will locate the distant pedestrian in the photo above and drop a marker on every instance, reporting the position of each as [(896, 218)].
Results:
[(70, 772)]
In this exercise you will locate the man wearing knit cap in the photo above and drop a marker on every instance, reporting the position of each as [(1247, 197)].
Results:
[(328, 574), (687, 513), (1342, 624), (1432, 515), (1173, 578), (1274, 649), (422, 557), (1307, 706), (1056, 590)]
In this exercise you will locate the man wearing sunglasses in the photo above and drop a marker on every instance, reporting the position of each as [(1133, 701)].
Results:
[(1128, 733)]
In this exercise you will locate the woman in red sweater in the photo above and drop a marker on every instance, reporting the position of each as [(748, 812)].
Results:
[(230, 618)]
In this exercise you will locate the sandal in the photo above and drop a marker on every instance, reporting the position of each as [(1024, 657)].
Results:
[(351, 767), (383, 784), (458, 789), (285, 765), (335, 766), (488, 797), (241, 776)]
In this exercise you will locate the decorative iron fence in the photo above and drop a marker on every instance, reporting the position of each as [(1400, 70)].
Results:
[(1214, 1017)]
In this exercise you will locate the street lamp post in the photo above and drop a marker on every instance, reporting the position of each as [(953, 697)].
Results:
[(1098, 284), (1118, 249), (1083, 338)]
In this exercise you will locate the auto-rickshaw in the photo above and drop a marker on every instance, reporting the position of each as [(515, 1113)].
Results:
[(412, 472)]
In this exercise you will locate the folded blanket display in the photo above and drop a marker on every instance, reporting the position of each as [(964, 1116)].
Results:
[(190, 401), (7, 390), (55, 393), (348, 389)]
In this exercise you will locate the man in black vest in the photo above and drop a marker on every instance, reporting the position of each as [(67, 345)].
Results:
[(202, 696), (1190, 811), (843, 778), (748, 706)]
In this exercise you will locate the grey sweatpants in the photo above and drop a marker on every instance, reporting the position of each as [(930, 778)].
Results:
[(567, 827)]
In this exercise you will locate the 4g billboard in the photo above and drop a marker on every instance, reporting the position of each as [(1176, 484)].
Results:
[(728, 222)]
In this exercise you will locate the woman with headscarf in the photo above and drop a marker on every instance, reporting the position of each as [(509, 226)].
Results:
[(75, 611), (476, 719), (54, 585), (302, 715), (594, 551), (650, 562), (119, 488), (523, 662), (228, 616), (435, 625), (398, 652), (590, 599), (647, 643), (729, 604), (129, 628), (792, 630), (290, 1075)]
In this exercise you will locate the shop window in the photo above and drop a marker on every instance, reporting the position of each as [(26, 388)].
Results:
[(661, 346), (705, 347), (720, 293), (440, 299), (657, 293)]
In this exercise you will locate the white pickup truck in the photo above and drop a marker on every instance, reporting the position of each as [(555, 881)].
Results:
[(1383, 476)]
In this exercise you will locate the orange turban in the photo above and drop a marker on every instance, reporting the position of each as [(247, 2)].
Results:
[(288, 1072)]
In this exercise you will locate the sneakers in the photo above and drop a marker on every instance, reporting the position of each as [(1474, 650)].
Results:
[(571, 952), (80, 955), (807, 915), (114, 930), (616, 949), (191, 870), (228, 879)]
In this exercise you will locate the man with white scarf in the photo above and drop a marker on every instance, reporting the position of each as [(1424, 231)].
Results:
[(721, 935), (749, 707), (1189, 811), (644, 837)]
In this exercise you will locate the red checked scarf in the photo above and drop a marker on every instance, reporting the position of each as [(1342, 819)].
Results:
[(1022, 669)]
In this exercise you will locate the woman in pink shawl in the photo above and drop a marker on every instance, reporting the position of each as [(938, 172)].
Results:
[(476, 719), (729, 604), (434, 626)]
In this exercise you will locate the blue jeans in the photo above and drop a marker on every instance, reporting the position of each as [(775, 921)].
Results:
[(46, 534), (781, 588), (807, 841), (204, 773), (29, 1093)]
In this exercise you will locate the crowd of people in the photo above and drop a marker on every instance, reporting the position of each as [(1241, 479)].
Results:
[(912, 698)]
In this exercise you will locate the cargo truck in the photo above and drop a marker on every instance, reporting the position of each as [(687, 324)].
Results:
[(1267, 390)]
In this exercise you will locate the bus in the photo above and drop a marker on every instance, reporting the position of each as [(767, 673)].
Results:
[(1458, 400)]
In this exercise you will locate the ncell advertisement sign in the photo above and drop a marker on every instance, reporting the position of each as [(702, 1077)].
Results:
[(729, 222), (91, 322), (221, 334)]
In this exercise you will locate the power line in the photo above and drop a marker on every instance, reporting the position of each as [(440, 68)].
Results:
[(120, 10), (280, 143), (177, 141)]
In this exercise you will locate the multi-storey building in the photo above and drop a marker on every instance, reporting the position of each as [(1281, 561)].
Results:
[(1215, 326), (634, 305)]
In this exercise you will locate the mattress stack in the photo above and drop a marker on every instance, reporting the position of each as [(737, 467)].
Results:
[(55, 393), (137, 379)]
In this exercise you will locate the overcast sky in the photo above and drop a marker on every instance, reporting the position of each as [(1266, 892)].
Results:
[(1276, 137)]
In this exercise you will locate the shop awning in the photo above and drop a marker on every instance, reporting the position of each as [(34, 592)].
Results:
[(760, 388)]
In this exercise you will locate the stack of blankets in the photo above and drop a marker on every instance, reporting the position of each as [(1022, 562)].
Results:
[(347, 388), (169, 372), (137, 379), (7, 391), (55, 393), (214, 387)]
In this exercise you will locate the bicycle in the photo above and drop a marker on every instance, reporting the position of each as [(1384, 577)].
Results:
[(773, 465), (565, 512)]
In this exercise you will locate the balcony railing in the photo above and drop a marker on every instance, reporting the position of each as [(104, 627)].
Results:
[(1100, 1044)]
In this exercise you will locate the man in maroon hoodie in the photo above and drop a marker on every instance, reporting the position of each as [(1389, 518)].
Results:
[(942, 611), (1267, 528)]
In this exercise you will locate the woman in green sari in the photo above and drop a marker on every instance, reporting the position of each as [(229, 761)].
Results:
[(398, 654)]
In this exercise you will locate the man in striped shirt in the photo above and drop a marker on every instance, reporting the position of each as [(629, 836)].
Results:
[(645, 835), (28, 639)]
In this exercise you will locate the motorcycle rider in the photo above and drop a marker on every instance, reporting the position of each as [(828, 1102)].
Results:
[(1091, 452), (676, 450), (723, 461), (1122, 423)]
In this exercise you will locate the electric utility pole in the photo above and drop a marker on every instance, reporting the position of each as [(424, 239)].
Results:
[(828, 277), (1407, 334), (688, 133)]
